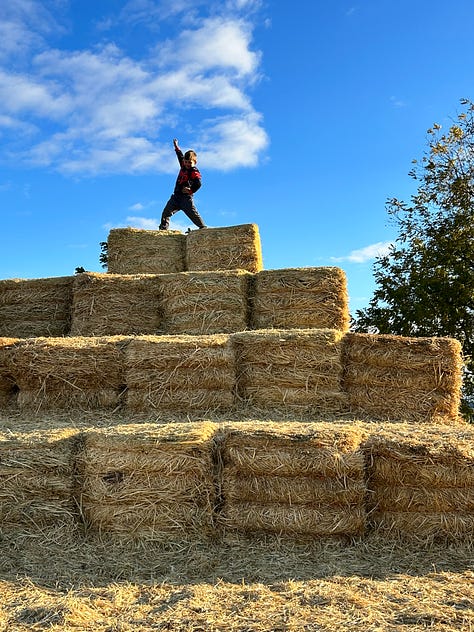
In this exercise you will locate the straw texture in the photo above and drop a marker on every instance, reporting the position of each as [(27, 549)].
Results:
[(149, 480), (205, 302), (136, 251), (401, 378), (7, 381), (421, 481), (35, 307), (180, 373), (290, 370), (301, 298), (37, 479), (64, 373), (110, 304), (293, 478), (229, 248)]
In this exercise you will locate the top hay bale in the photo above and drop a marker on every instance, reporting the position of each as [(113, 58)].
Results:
[(136, 251), (403, 379), (301, 298), (35, 307), (228, 248)]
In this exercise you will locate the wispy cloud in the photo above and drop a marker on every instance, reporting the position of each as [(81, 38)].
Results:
[(367, 253), (100, 110)]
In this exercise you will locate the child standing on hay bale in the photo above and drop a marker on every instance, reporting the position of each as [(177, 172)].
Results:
[(187, 183)]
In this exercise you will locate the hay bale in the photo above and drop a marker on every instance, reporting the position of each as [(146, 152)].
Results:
[(110, 304), (229, 248), (37, 478), (8, 387), (137, 251), (293, 478), (302, 298), (65, 373), (180, 373), (149, 480), (35, 307), (401, 378), (426, 473), (205, 302), (290, 370)]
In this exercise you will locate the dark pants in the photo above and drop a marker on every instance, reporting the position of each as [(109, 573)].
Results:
[(183, 203)]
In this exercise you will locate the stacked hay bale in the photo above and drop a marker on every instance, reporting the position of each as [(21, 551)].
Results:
[(421, 481), (290, 370), (229, 248), (180, 373), (205, 302), (109, 304), (7, 382), (65, 373), (37, 478), (402, 378), (293, 479), (149, 481), (137, 251), (301, 298), (35, 307)]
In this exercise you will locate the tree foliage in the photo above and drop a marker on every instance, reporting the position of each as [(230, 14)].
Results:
[(425, 284)]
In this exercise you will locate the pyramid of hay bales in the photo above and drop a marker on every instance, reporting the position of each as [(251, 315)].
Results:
[(185, 327)]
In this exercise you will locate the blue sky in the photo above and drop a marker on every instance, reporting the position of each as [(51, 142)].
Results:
[(305, 117)]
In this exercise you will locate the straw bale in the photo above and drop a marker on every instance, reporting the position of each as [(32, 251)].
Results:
[(145, 479), (137, 251), (109, 304), (228, 248), (35, 307), (424, 525), (290, 369), (294, 449), (82, 372), (401, 378), (300, 490), (7, 382), (181, 373), (294, 519), (205, 302), (37, 478), (301, 298)]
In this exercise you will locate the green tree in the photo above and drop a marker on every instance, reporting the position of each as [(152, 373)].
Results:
[(425, 284)]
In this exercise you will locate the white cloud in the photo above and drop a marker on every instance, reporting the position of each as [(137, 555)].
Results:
[(98, 110), (143, 222), (368, 253)]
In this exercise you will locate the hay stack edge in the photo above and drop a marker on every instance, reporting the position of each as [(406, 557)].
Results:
[(190, 392)]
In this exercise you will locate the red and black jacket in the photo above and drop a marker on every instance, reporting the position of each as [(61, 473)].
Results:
[(186, 177)]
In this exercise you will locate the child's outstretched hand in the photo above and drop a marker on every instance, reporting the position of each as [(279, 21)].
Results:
[(175, 143)]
